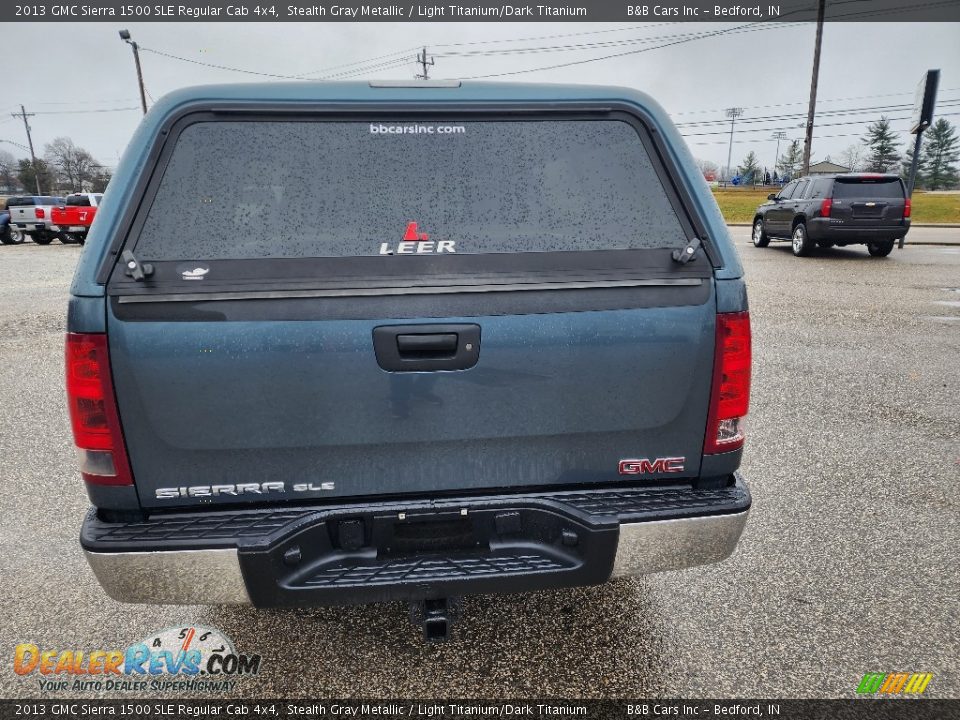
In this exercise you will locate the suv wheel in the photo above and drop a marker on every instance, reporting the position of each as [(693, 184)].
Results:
[(800, 242), (880, 249), (760, 238)]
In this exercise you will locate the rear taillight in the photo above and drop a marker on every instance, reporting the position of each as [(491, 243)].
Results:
[(906, 208), (93, 411), (730, 393), (825, 207), (39, 213)]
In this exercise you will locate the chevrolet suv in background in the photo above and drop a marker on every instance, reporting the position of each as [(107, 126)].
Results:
[(505, 359), (835, 210)]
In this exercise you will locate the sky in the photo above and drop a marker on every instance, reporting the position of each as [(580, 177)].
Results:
[(82, 83)]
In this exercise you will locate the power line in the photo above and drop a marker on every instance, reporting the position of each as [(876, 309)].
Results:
[(98, 101), (561, 35), (214, 65), (776, 105), (819, 137), (684, 39), (362, 71), (576, 47), (80, 112), (748, 27), (768, 129), (787, 116), (356, 71), (306, 75)]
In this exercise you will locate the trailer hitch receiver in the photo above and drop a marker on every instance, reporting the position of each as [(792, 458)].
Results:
[(435, 617)]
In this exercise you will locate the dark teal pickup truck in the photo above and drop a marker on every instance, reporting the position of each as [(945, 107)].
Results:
[(341, 343)]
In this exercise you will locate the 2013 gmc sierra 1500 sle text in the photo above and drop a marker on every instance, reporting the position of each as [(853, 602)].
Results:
[(506, 358)]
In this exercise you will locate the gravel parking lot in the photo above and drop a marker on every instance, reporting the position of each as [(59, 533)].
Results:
[(849, 563)]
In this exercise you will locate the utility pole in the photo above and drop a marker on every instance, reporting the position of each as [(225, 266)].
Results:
[(811, 110), (125, 36), (778, 136), (33, 158), (732, 113), (422, 60)]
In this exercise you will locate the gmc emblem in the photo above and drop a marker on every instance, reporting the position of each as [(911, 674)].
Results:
[(643, 466)]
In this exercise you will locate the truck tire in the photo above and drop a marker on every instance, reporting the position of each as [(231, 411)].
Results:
[(759, 237), (801, 244), (70, 239), (11, 236), (41, 238), (880, 249)]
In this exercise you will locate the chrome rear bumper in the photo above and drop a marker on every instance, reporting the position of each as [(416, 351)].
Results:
[(649, 547), (171, 577), (214, 576)]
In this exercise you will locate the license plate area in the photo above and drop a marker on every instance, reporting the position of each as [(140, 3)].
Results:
[(437, 534), (864, 210), (446, 552)]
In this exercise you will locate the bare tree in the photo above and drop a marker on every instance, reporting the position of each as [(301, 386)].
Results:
[(707, 166), (853, 157), (74, 166)]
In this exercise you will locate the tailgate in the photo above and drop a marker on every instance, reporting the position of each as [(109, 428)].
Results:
[(22, 214), (470, 304), (74, 216), (868, 201)]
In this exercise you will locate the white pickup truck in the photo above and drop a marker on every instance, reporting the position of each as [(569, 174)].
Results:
[(31, 215)]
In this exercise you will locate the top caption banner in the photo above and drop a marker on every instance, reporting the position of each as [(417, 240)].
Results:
[(898, 11)]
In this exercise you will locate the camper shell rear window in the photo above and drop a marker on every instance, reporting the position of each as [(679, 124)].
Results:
[(293, 188)]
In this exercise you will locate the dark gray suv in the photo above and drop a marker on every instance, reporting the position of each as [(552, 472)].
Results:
[(829, 210)]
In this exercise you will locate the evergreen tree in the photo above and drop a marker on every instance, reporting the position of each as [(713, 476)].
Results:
[(751, 166), (791, 160), (939, 156), (908, 161), (881, 144)]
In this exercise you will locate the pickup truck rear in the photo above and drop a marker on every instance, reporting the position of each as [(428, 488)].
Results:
[(72, 220), (505, 346), (31, 216)]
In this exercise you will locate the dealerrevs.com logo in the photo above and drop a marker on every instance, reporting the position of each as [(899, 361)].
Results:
[(174, 659)]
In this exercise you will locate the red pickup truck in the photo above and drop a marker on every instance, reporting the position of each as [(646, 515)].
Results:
[(72, 220)]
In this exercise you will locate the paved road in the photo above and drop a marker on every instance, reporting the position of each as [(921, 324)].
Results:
[(848, 564)]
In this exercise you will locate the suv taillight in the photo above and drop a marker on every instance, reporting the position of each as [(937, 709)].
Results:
[(93, 411), (906, 208), (39, 213), (730, 392), (825, 207)]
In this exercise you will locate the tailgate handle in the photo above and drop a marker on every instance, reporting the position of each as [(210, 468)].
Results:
[(419, 348), (433, 345)]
